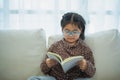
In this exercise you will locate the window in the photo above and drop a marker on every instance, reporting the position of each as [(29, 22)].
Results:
[(34, 14)]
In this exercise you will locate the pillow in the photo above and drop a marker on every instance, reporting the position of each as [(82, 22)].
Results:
[(106, 50), (53, 38), (21, 52)]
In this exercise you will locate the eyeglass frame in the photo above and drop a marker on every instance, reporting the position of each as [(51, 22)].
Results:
[(71, 33)]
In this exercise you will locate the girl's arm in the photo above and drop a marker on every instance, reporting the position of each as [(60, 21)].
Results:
[(44, 68), (90, 70)]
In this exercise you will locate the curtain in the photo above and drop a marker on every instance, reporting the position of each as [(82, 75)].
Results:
[(34, 14), (103, 15)]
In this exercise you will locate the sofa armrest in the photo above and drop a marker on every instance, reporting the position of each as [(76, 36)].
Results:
[(21, 52)]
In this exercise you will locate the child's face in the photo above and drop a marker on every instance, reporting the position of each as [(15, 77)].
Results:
[(71, 33)]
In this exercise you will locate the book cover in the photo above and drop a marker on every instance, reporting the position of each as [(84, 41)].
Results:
[(66, 64)]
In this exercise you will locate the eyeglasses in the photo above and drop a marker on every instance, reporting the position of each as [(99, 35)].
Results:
[(71, 33)]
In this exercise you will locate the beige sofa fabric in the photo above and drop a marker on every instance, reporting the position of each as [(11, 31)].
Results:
[(21, 53), (106, 48)]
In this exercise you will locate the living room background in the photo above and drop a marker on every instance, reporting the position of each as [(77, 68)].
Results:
[(100, 15)]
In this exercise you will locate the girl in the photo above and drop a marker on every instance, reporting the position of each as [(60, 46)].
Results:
[(72, 44)]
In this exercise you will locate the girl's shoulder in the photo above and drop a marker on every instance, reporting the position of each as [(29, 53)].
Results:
[(57, 43), (83, 43), (55, 46)]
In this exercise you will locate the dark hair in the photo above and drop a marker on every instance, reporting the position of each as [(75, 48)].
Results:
[(75, 19)]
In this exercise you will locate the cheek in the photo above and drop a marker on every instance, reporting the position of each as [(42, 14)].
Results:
[(77, 37)]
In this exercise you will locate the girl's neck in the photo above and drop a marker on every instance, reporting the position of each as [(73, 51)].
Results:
[(72, 43)]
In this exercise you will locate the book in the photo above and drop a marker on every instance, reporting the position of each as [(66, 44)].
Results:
[(67, 63)]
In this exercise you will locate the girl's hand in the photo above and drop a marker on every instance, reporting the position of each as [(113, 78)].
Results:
[(82, 64), (50, 62)]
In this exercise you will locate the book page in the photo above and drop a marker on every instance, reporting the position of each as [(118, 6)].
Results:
[(66, 64), (70, 62), (71, 59), (54, 56)]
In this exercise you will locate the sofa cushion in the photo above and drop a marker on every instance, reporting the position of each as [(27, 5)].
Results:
[(106, 49), (21, 52)]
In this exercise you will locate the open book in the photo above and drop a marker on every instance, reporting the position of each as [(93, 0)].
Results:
[(66, 64)]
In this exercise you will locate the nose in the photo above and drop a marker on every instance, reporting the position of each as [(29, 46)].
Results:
[(70, 34)]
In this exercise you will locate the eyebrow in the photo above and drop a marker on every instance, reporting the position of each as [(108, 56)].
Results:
[(75, 29)]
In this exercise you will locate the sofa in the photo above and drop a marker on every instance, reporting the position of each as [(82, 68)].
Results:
[(22, 51)]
